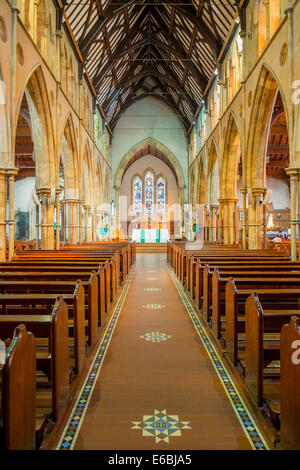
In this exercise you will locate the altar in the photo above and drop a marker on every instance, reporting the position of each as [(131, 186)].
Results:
[(150, 235)]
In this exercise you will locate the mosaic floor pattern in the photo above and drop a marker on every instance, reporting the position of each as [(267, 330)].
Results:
[(161, 426), (155, 337), (154, 306)]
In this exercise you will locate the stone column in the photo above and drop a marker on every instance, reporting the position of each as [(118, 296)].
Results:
[(58, 192), (235, 221), (255, 219), (117, 216), (37, 226), (243, 192), (214, 210), (58, 35), (220, 226), (228, 221), (88, 222), (80, 221), (2, 215), (64, 207), (265, 241), (293, 174), (73, 221), (11, 173), (181, 204), (93, 224), (44, 195), (34, 26), (50, 223)]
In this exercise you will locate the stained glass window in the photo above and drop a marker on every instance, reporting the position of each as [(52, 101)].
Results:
[(137, 195), (161, 195), (149, 193)]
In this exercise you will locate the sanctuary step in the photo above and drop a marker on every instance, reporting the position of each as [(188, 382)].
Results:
[(151, 247)]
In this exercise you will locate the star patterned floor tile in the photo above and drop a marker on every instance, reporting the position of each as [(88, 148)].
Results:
[(155, 337), (154, 306), (161, 426)]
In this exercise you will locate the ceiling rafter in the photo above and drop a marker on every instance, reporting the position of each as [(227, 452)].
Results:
[(175, 42)]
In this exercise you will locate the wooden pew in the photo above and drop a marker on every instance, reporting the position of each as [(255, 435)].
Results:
[(261, 351), (272, 299), (36, 293), (104, 271), (197, 274), (55, 328), (89, 282), (214, 293), (290, 385), (18, 392)]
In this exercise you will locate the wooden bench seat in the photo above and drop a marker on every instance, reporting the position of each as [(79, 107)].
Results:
[(18, 393), (51, 281), (55, 328)]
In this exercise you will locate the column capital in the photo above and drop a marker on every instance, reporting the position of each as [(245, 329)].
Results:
[(228, 200), (71, 200), (58, 191), (258, 191), (43, 192), (87, 207), (291, 171), (244, 190), (12, 171)]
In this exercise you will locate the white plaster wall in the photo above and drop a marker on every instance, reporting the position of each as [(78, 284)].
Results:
[(24, 202), (149, 118), (23, 194), (280, 192), (158, 168)]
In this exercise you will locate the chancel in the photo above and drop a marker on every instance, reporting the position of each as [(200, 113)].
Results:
[(149, 226)]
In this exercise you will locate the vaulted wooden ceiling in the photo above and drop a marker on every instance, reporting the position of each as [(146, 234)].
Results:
[(176, 43)]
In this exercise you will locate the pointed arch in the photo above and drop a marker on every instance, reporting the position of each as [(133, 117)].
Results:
[(201, 186), (156, 149), (42, 128), (87, 179), (259, 126), (231, 156), (213, 174), (69, 158)]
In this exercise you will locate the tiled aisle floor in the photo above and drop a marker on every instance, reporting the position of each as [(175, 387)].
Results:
[(156, 371)]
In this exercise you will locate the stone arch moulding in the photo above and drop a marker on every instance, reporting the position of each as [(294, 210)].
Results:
[(232, 150), (87, 174), (201, 182), (68, 145), (152, 147), (213, 176), (259, 126), (42, 126)]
